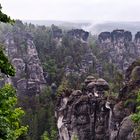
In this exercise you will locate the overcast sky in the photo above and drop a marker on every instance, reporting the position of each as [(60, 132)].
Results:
[(70, 10)]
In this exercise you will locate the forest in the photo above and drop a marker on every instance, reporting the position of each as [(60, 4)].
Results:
[(51, 74)]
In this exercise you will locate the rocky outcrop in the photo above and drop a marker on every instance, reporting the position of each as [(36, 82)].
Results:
[(88, 113), (73, 50), (92, 114), (78, 33), (104, 37), (84, 113), (128, 95), (119, 48), (137, 36), (29, 73), (116, 36), (121, 36), (78, 57), (126, 129), (56, 32)]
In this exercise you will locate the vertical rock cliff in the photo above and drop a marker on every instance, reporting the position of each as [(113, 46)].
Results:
[(84, 113), (22, 53), (91, 113), (119, 48)]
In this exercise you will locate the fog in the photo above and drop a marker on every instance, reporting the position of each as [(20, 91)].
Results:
[(73, 10)]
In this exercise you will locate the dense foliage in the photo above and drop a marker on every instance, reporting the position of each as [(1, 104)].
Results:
[(10, 115), (136, 117), (61, 60), (4, 17), (5, 65), (39, 115), (10, 127)]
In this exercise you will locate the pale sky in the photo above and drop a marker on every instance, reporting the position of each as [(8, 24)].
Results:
[(70, 10)]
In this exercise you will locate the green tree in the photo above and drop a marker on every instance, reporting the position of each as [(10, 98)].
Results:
[(10, 125), (75, 137), (5, 65), (136, 118), (10, 128), (51, 68), (63, 86), (4, 17), (45, 136)]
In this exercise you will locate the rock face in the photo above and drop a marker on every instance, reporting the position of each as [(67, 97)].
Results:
[(78, 57), (89, 114), (83, 55), (56, 32), (118, 48), (84, 114), (115, 50), (29, 73), (78, 33)]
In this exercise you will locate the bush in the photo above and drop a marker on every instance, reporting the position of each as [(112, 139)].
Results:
[(136, 118), (10, 126)]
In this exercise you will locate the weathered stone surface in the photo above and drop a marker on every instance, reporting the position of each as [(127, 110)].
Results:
[(84, 114), (128, 73), (20, 67), (126, 129), (56, 32), (90, 115), (118, 48), (105, 37), (80, 58), (29, 73), (78, 33), (137, 37), (121, 36)]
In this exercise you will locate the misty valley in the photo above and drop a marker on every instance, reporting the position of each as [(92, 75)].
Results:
[(72, 84)]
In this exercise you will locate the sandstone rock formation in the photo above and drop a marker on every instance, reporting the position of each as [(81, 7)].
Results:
[(29, 77), (91, 114), (84, 114), (78, 33), (119, 48), (88, 113), (78, 57)]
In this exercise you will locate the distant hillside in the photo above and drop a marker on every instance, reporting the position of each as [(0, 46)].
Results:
[(109, 26), (93, 27), (62, 24)]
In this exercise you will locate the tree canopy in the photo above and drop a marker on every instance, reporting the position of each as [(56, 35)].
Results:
[(10, 125), (5, 65), (4, 18)]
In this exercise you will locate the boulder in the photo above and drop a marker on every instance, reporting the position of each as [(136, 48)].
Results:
[(126, 129)]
